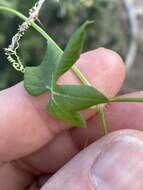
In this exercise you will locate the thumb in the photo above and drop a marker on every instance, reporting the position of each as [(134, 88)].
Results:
[(113, 162)]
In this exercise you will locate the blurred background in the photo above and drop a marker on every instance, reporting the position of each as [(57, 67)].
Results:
[(118, 26)]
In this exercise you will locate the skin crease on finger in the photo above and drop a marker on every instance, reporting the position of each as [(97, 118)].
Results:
[(20, 133)]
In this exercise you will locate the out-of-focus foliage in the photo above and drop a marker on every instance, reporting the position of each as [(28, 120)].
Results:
[(60, 19)]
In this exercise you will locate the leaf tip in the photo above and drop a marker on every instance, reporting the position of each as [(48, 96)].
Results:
[(89, 22)]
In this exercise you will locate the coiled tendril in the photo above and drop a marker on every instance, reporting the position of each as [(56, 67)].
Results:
[(11, 51)]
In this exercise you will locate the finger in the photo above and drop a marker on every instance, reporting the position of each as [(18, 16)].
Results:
[(118, 116), (11, 178), (67, 144), (24, 124), (103, 165), (100, 66), (125, 115)]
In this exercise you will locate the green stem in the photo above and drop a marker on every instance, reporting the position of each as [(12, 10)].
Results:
[(40, 30), (77, 72), (102, 119), (126, 99), (80, 76)]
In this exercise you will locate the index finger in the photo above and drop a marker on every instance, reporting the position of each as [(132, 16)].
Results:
[(24, 124)]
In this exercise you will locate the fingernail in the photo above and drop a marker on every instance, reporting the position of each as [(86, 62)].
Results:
[(119, 166)]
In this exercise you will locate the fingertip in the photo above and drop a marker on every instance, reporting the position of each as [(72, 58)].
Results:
[(104, 68)]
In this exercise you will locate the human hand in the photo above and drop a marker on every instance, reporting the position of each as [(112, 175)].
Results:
[(33, 145)]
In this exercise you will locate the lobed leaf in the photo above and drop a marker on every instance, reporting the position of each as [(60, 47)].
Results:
[(67, 100), (38, 79), (78, 97)]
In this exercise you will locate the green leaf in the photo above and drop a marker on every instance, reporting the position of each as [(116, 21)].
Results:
[(77, 97), (38, 79), (72, 51), (58, 112), (66, 100)]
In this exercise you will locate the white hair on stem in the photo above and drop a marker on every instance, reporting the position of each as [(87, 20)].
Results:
[(11, 51)]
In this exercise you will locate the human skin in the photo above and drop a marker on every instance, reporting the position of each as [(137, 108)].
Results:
[(34, 145)]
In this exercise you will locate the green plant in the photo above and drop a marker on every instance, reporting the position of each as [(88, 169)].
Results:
[(61, 19), (66, 100)]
